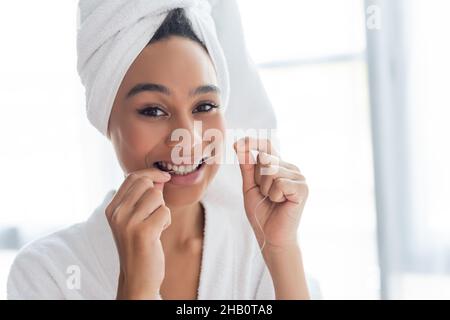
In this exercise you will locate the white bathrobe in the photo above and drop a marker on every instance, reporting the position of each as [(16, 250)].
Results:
[(232, 266)]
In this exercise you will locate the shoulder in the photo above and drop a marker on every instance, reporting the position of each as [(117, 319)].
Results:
[(42, 267), (39, 267), (54, 246)]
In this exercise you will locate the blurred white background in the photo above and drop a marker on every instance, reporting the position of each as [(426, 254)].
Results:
[(324, 72), (311, 58)]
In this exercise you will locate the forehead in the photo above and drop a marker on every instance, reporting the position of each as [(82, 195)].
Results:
[(176, 62)]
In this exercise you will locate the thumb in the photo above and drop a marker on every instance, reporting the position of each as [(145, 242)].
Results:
[(246, 163), (159, 185)]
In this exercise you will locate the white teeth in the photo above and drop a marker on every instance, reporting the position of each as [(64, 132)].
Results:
[(178, 169)]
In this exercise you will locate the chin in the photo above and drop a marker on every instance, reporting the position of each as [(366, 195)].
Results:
[(180, 198), (182, 195)]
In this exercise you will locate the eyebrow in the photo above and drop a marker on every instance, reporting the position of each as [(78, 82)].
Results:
[(153, 87)]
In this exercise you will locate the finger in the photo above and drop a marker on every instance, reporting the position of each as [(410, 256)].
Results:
[(276, 191), (150, 200), (126, 208), (246, 160), (129, 180), (265, 179), (264, 145), (157, 222), (246, 163), (266, 164), (290, 166), (284, 189), (157, 176), (266, 159)]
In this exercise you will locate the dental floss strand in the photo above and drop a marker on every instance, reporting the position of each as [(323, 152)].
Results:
[(259, 225), (254, 154)]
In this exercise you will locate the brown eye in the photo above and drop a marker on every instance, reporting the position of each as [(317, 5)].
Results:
[(206, 107), (152, 112)]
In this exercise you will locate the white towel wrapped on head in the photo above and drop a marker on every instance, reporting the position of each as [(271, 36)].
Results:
[(112, 33)]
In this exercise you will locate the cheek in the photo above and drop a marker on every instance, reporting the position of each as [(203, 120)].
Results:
[(214, 132), (133, 140), (216, 124)]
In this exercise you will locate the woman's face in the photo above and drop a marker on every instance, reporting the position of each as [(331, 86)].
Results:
[(171, 84)]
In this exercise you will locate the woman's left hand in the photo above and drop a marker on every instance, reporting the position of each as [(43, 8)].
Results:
[(276, 219)]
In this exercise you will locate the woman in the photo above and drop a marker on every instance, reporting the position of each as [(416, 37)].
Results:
[(160, 235)]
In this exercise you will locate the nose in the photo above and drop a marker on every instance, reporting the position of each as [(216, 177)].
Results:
[(186, 134)]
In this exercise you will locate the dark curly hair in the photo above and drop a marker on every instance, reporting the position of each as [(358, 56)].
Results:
[(176, 24)]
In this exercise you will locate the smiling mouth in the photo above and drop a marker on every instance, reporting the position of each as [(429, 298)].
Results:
[(179, 169)]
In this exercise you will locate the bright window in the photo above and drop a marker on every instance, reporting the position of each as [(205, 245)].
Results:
[(311, 58)]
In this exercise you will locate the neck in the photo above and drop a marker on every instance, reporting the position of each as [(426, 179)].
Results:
[(186, 225)]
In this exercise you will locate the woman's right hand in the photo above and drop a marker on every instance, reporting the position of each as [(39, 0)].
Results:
[(137, 216)]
